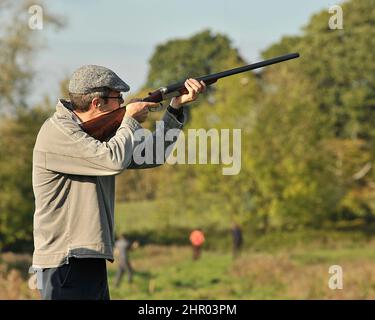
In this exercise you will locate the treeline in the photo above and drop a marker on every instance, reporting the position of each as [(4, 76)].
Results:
[(307, 130)]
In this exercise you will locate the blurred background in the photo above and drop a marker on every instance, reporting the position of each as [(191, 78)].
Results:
[(304, 199)]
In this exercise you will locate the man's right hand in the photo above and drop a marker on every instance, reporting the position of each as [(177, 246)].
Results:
[(138, 109)]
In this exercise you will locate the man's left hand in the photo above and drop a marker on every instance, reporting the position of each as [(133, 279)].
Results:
[(194, 88)]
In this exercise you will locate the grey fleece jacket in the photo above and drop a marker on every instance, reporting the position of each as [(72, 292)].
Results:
[(74, 186)]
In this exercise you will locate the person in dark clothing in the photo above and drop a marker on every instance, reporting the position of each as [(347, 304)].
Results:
[(237, 240), (123, 246)]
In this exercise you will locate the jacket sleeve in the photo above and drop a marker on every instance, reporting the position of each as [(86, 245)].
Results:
[(159, 144), (62, 146)]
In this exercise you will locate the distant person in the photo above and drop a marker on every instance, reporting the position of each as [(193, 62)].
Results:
[(123, 247), (197, 239), (237, 240)]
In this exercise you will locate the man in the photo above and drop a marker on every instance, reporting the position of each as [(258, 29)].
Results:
[(74, 183), (123, 246), (237, 240), (197, 239)]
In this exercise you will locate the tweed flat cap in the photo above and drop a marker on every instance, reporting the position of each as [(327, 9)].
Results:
[(87, 78)]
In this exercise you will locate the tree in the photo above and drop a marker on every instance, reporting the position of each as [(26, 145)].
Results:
[(201, 192), (200, 54), (330, 92), (18, 45), (19, 122), (307, 127), (17, 138), (203, 53)]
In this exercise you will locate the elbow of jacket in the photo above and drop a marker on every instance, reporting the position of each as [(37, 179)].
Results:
[(119, 166)]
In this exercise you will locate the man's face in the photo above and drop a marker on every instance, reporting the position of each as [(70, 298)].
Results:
[(113, 102)]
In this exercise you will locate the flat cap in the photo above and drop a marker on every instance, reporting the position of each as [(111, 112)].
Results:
[(87, 78)]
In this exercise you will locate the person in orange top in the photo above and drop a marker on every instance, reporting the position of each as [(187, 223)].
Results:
[(197, 240)]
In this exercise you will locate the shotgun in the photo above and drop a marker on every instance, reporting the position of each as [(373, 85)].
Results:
[(105, 126)]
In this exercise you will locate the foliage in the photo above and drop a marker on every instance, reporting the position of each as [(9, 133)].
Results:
[(307, 133), (201, 54), (17, 138), (324, 132), (18, 45), (19, 122)]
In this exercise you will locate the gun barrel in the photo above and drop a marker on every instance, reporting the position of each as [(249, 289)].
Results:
[(215, 76)]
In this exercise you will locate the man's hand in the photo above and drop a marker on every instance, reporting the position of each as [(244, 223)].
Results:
[(194, 88), (138, 109)]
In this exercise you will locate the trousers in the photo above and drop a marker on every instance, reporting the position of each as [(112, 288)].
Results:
[(80, 279)]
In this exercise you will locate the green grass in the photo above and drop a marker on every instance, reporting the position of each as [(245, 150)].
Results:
[(298, 271), (168, 272), (327, 255), (143, 221), (150, 215), (135, 216), (278, 265)]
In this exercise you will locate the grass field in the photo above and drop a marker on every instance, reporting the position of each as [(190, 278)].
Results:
[(280, 265), (277, 266), (169, 273)]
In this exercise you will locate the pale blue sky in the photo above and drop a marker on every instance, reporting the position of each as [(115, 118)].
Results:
[(122, 35)]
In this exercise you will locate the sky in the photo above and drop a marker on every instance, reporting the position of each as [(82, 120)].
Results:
[(122, 35)]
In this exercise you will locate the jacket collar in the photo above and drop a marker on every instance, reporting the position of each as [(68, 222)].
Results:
[(64, 109)]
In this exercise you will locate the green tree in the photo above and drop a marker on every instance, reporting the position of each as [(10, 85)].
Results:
[(172, 61), (17, 138), (201, 192), (203, 53), (326, 131), (307, 127), (19, 122)]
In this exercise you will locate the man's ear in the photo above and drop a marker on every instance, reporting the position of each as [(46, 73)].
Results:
[(96, 102)]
